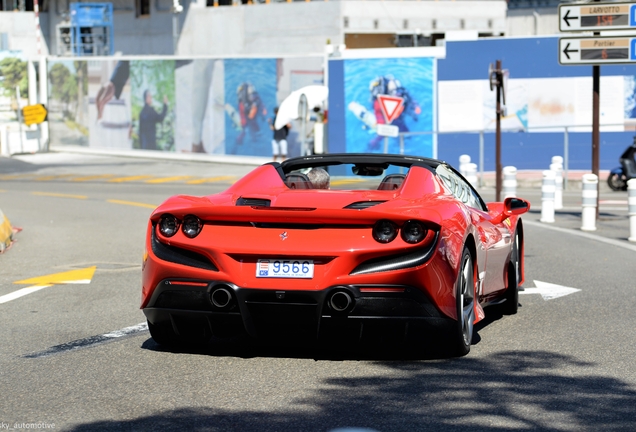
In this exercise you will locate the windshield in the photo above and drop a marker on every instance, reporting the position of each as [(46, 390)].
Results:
[(348, 177)]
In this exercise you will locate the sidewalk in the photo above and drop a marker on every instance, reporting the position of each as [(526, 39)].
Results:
[(534, 178), (613, 221)]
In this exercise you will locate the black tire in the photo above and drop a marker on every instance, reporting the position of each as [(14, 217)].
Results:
[(511, 305), (617, 182), (163, 333), (191, 333), (462, 333)]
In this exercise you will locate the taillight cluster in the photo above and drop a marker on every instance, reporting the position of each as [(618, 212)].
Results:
[(169, 225), (412, 231)]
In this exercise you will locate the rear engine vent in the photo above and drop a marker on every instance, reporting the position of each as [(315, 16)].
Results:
[(360, 205), (253, 202)]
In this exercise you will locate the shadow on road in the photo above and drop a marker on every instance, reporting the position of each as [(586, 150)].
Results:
[(530, 390)]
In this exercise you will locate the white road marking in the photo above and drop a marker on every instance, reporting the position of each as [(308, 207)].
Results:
[(21, 293), (90, 341), (613, 242), (549, 291)]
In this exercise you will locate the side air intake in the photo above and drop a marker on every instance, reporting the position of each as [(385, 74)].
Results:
[(361, 205), (253, 202)]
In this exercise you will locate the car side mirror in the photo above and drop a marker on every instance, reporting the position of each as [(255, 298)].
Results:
[(511, 206), (515, 206)]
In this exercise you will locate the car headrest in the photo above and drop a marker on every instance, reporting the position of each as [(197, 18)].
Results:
[(391, 182), (297, 181)]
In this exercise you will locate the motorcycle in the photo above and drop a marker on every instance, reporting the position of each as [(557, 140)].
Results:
[(619, 176)]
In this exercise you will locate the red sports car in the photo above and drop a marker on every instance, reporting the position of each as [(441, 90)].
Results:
[(342, 245)]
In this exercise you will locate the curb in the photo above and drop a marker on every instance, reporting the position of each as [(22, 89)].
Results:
[(162, 155)]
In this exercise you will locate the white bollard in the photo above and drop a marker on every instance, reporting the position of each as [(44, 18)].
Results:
[(557, 160), (509, 181), (547, 197), (463, 161), (631, 203), (558, 183), (589, 195), (471, 174)]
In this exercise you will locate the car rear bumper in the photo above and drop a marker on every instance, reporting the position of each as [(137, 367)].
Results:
[(347, 310)]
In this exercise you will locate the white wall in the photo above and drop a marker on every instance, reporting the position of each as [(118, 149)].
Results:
[(276, 28), (523, 22), (483, 16), (21, 29)]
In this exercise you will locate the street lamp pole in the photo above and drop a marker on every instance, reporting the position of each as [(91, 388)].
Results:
[(176, 10), (497, 81)]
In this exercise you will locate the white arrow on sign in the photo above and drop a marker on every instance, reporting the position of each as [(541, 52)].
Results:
[(549, 291)]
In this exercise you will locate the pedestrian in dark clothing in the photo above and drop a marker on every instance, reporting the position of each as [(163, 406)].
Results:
[(148, 119)]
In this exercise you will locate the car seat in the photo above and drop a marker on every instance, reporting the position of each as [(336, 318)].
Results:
[(391, 182), (297, 181)]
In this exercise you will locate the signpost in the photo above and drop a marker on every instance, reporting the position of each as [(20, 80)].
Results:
[(596, 50), (597, 16), (34, 114)]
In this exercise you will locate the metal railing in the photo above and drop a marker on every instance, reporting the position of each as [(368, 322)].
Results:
[(565, 130)]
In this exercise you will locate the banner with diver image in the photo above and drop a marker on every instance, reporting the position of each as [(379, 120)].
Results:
[(389, 91), (214, 106)]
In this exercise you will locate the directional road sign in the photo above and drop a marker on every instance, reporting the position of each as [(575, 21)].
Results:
[(597, 50), (597, 16), (34, 114)]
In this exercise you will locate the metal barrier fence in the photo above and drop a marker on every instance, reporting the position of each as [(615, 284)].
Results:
[(565, 130)]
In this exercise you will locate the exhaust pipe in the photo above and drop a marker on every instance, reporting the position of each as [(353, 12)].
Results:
[(221, 297), (340, 301)]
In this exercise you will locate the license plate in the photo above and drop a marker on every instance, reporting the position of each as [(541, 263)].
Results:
[(276, 268)]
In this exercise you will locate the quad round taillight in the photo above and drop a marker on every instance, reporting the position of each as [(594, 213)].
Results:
[(192, 226), (413, 231), (384, 231), (168, 225)]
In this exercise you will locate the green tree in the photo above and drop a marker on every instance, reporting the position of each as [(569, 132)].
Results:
[(14, 73), (63, 85)]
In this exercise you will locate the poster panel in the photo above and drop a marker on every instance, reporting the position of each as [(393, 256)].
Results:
[(153, 104), (68, 102), (536, 104), (109, 109), (200, 110), (250, 97), (411, 79), (212, 106), (13, 75)]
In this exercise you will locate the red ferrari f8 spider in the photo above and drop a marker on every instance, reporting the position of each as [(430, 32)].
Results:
[(395, 244)]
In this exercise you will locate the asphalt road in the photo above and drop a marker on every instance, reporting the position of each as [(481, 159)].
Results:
[(565, 364)]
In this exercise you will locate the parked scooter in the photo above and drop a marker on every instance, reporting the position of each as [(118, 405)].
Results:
[(618, 177)]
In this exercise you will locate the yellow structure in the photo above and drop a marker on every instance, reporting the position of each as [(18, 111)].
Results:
[(6, 232)]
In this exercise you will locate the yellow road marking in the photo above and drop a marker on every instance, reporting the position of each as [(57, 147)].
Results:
[(167, 179), (51, 177), (14, 176), (132, 203), (129, 178), (92, 177), (59, 195), (344, 182), (79, 276), (210, 179)]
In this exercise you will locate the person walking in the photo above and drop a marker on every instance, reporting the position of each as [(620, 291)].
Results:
[(279, 141)]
